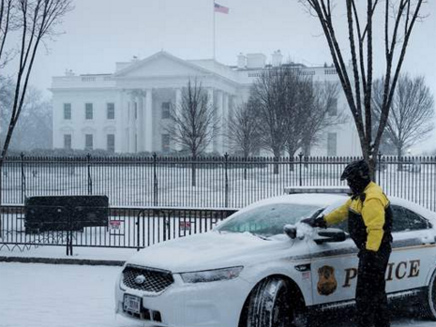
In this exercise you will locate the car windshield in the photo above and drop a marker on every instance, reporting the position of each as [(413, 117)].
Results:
[(267, 220)]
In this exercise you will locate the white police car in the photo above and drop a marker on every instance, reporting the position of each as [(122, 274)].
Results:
[(247, 272)]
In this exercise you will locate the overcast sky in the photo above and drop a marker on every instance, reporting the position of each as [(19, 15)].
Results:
[(98, 33)]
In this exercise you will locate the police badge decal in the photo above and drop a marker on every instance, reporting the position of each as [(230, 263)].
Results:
[(327, 283)]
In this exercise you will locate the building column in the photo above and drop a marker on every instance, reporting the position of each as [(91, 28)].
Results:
[(119, 122), (211, 104), (178, 146), (148, 120), (218, 136), (140, 122), (178, 99), (225, 125), (132, 131)]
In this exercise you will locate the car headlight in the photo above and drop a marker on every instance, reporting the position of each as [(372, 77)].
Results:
[(211, 275)]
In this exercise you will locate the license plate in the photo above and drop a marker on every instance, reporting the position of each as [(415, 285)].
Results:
[(132, 303)]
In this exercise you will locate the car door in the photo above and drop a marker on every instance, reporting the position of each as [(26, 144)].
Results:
[(412, 251), (333, 270)]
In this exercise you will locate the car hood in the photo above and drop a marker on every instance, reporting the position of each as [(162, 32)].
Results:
[(210, 250)]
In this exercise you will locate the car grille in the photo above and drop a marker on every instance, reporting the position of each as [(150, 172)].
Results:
[(153, 280)]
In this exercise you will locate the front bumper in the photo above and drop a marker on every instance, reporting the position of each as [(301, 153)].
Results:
[(210, 304)]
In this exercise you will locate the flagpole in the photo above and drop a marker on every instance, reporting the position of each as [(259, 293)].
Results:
[(214, 32)]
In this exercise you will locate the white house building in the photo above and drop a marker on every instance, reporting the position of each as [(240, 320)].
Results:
[(125, 111)]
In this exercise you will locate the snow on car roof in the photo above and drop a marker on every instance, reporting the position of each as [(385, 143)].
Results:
[(315, 199), (332, 201), (413, 206)]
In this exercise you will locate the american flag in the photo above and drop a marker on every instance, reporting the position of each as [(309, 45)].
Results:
[(221, 9)]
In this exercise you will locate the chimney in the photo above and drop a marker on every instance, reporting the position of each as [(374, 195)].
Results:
[(242, 61), (69, 72), (277, 58)]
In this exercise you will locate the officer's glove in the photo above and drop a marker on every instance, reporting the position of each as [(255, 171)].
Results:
[(315, 222)]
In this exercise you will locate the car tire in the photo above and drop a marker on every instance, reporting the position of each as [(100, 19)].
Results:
[(429, 298), (270, 305)]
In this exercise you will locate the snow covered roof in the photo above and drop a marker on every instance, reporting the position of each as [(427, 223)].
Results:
[(321, 200)]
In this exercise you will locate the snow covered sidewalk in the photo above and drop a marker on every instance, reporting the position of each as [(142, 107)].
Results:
[(49, 295), (45, 295), (42, 295)]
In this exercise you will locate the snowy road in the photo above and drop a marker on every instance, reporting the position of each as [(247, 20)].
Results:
[(38, 295)]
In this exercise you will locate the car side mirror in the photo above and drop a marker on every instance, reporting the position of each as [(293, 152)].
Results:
[(330, 235), (291, 231)]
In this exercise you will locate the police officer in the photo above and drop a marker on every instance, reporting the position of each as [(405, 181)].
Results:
[(369, 224)]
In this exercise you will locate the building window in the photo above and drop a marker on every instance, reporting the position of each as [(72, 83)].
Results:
[(67, 141), (166, 110), (111, 142), (67, 111), (110, 110), (333, 107), (89, 142), (89, 111), (165, 143), (331, 144)]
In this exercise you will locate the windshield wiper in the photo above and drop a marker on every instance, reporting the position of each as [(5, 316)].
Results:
[(261, 236)]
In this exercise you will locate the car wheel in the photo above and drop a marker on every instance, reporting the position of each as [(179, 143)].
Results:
[(270, 305), (429, 300)]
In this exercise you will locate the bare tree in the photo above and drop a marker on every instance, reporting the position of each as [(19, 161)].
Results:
[(399, 18), (292, 109), (193, 122), (243, 131), (34, 128), (33, 21), (299, 99), (412, 112), (268, 96), (321, 115), (8, 23)]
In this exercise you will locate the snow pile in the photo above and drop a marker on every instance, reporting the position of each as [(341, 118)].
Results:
[(304, 230)]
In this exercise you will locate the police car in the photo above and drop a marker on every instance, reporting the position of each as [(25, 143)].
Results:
[(248, 272)]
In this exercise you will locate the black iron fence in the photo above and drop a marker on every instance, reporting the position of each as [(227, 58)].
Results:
[(126, 228), (219, 182)]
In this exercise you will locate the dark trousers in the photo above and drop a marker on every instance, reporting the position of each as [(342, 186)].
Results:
[(371, 300)]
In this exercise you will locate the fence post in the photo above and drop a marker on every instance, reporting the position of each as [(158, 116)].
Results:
[(226, 186), (301, 167), (88, 157), (23, 178), (155, 182), (138, 239), (379, 166)]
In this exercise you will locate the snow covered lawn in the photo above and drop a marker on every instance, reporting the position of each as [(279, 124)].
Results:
[(42, 295)]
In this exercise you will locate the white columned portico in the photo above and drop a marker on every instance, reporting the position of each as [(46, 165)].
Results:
[(148, 120), (210, 94)]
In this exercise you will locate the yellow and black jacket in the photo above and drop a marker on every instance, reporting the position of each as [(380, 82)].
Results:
[(369, 218)]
